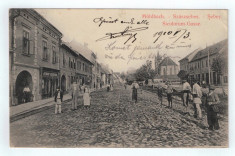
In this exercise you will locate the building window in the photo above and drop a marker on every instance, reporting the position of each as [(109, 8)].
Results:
[(45, 50), (225, 79), (170, 71), (79, 65), (83, 67), (54, 54), (25, 42), (64, 62), (74, 64), (69, 63)]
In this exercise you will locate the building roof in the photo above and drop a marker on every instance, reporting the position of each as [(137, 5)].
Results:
[(44, 19), (190, 56), (213, 49), (167, 61), (104, 69), (84, 51), (69, 48)]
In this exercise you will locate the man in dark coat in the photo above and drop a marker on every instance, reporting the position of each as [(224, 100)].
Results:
[(212, 109)]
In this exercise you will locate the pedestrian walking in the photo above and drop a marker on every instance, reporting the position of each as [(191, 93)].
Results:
[(169, 92), (160, 93), (186, 91), (205, 91), (58, 100), (125, 85), (134, 87), (212, 109), (74, 92), (86, 97), (108, 88), (197, 94), (111, 87)]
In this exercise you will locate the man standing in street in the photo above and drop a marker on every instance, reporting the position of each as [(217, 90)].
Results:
[(74, 93), (197, 94), (169, 92), (186, 91), (212, 109), (58, 100)]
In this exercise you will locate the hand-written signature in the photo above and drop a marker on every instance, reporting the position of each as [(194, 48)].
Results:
[(132, 33)]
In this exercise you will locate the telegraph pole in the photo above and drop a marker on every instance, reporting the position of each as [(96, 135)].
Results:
[(208, 60)]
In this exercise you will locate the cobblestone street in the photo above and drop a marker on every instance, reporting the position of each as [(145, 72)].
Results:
[(113, 120)]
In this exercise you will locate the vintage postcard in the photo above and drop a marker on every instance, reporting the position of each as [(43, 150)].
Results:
[(118, 78)]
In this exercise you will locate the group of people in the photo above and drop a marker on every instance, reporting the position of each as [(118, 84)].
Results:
[(200, 94), (76, 91)]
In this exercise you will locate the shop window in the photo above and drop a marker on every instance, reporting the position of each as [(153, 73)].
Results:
[(26, 44)]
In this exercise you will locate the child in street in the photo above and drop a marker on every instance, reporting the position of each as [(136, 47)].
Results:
[(169, 92)]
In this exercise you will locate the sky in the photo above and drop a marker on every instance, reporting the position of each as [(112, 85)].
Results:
[(84, 26)]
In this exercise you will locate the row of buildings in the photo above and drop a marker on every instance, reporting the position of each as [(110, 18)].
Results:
[(196, 65), (40, 60), (199, 63)]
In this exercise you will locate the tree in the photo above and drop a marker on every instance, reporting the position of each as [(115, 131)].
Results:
[(218, 65), (123, 76), (144, 73)]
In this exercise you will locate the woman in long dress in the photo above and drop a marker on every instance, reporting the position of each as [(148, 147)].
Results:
[(134, 87), (86, 97)]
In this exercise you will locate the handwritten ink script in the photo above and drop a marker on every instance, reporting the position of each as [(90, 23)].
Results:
[(131, 33), (128, 39)]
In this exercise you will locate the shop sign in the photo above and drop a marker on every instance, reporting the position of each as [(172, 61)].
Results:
[(50, 74)]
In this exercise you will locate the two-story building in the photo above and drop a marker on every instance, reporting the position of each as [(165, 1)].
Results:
[(34, 51), (199, 67), (68, 66), (48, 51), (84, 70)]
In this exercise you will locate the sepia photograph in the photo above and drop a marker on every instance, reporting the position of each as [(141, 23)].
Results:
[(118, 78)]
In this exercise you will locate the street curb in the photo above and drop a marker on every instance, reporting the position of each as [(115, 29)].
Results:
[(33, 111)]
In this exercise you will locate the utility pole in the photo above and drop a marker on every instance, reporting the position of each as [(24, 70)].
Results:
[(208, 60)]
